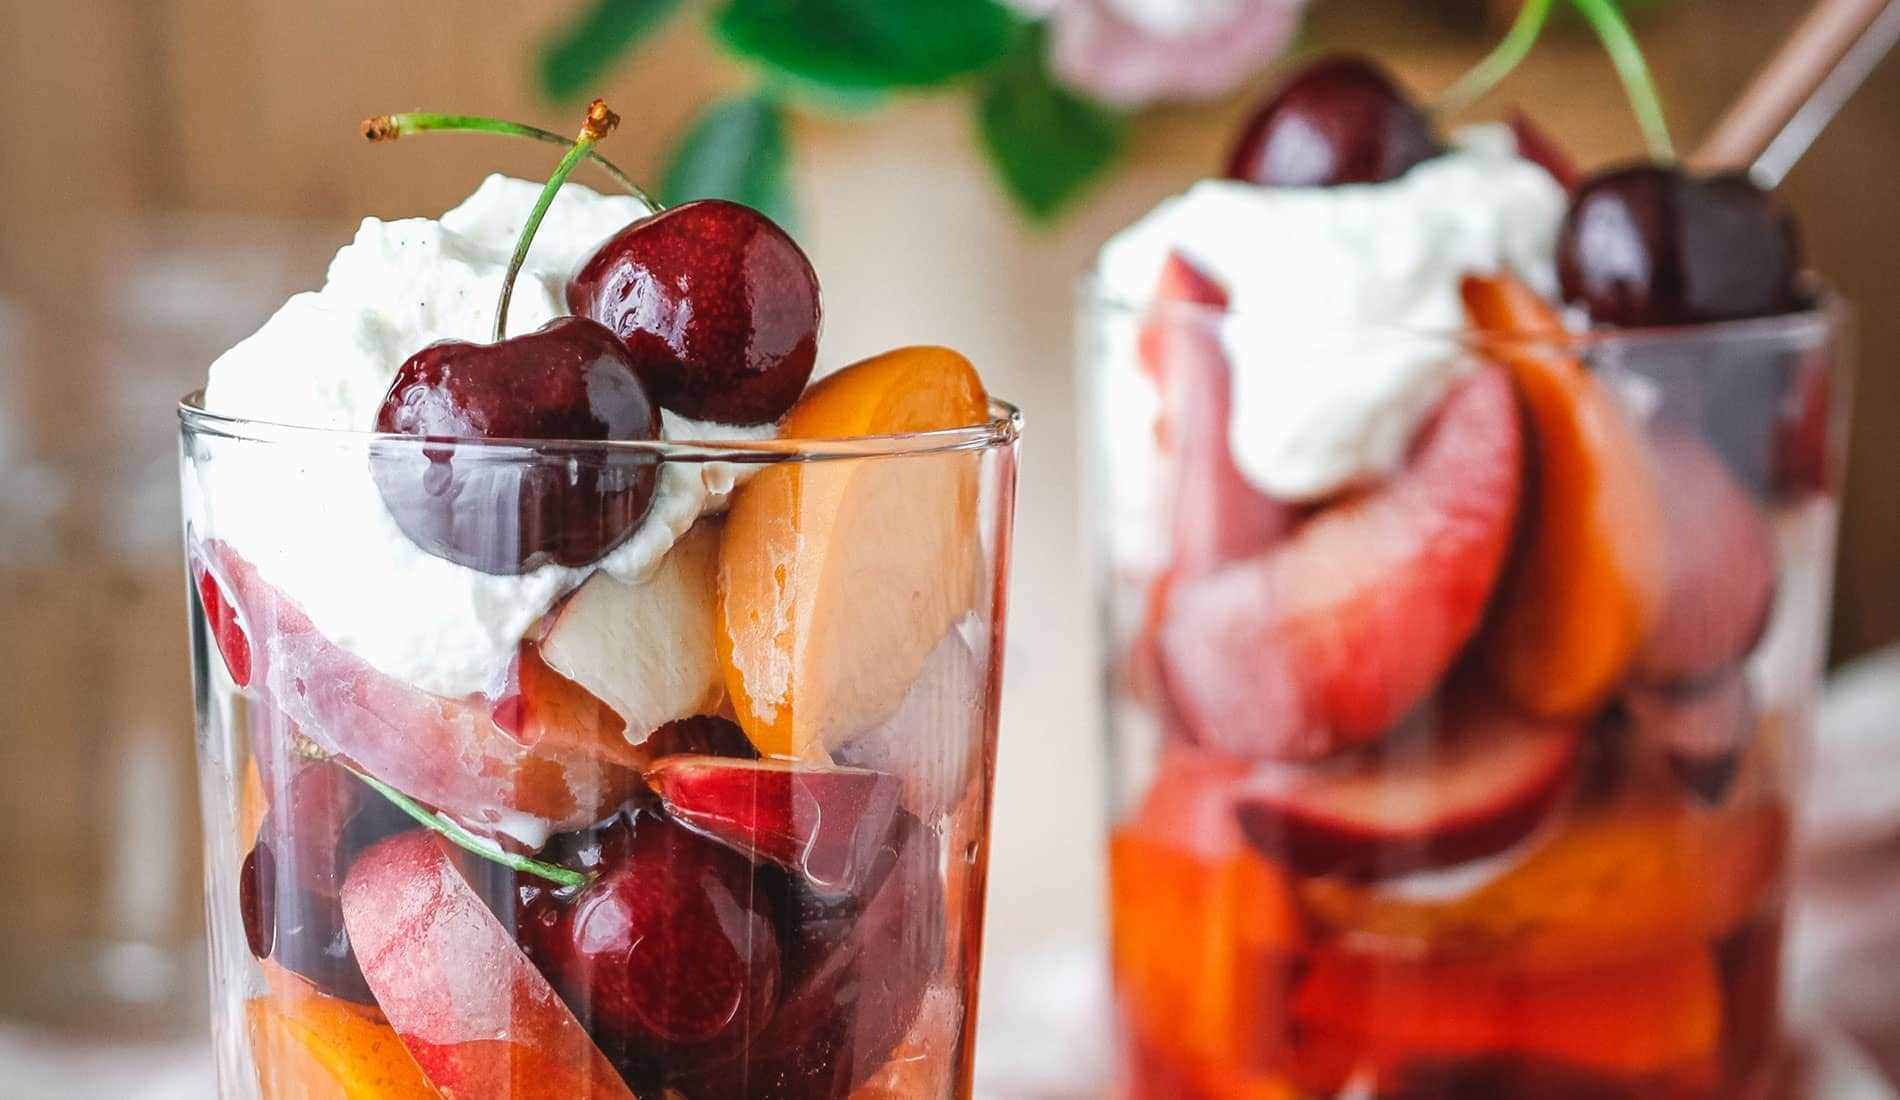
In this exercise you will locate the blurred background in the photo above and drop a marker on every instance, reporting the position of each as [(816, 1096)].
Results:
[(173, 169)]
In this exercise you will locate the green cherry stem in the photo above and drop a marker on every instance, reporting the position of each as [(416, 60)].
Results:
[(1627, 56), (1498, 64), (391, 127), (462, 838), (599, 122)]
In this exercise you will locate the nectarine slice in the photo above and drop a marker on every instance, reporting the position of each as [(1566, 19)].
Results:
[(1587, 576), (1327, 639), (311, 1047), (838, 577), (474, 1012), (1607, 891), (447, 753)]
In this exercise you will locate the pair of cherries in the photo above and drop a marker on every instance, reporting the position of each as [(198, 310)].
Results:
[(708, 309), (1643, 245)]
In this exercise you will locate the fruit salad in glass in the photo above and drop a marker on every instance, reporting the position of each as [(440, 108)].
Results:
[(591, 703), (1466, 530)]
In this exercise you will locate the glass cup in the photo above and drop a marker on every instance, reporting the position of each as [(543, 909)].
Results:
[(1473, 779), (584, 879)]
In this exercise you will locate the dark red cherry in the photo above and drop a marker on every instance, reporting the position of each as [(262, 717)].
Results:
[(509, 512), (1646, 245), (718, 306), (672, 944), (1339, 120), (856, 971)]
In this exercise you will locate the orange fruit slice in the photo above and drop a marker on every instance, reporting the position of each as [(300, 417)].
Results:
[(1659, 1018), (838, 577), (1610, 890), (311, 1047), (1586, 582)]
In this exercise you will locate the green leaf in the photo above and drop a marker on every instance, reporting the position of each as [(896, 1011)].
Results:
[(869, 44), (1047, 142), (735, 150), (578, 56)]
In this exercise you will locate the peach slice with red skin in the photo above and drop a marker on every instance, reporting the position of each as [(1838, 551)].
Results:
[(838, 577), (311, 1047), (446, 753), (1432, 799), (1328, 638), (1218, 516), (1586, 579), (473, 1011)]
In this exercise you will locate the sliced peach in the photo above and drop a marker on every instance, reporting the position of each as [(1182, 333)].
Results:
[(1604, 892), (311, 1047), (1358, 1015), (1203, 927), (837, 578), (1587, 580)]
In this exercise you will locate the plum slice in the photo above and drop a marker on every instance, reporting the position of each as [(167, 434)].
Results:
[(1417, 803)]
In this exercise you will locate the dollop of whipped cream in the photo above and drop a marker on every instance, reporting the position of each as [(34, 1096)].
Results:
[(309, 517), (1335, 295)]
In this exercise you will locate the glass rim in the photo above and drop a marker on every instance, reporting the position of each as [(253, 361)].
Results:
[(1830, 311), (1002, 429)]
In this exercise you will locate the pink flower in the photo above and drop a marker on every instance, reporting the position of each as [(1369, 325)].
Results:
[(1132, 52)]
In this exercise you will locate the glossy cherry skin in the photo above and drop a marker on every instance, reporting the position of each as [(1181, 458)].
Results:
[(1646, 245), (511, 512), (1340, 120), (671, 946), (717, 305)]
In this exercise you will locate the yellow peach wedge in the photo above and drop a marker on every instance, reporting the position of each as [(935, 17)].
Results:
[(1588, 580), (312, 1047), (837, 577)]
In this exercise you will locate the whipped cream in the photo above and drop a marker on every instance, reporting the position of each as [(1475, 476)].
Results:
[(1329, 292), (309, 516)]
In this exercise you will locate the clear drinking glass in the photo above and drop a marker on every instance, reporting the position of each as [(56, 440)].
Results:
[(1474, 780), (803, 925)]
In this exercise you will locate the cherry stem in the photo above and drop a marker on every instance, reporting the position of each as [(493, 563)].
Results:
[(599, 122), (1498, 64), (462, 838), (1627, 56), (391, 127)]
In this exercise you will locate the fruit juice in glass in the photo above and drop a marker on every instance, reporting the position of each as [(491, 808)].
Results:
[(507, 895), (1474, 780)]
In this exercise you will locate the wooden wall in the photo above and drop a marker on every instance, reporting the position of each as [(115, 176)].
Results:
[(249, 106)]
